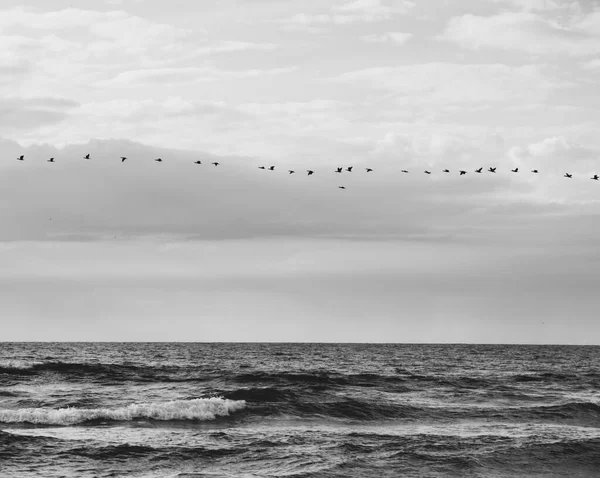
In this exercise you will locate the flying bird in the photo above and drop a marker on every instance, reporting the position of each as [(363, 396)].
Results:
[(215, 163), (595, 177), (261, 167), (123, 158), (197, 162), (159, 160), (349, 169), (342, 187), (368, 170), (463, 172), (427, 172), (567, 175), (272, 168), (492, 170), (534, 171), (516, 170), (478, 170), (21, 158), (446, 171), (87, 156), (51, 160), (338, 170), (291, 171), (404, 171), (310, 172)]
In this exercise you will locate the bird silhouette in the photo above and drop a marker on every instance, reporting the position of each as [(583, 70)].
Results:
[(567, 175), (272, 168), (291, 171), (158, 160), (215, 163), (342, 187), (261, 167), (427, 172), (51, 160), (595, 177), (404, 171), (349, 169), (446, 171), (338, 170), (198, 162), (478, 170), (310, 172), (492, 170), (516, 170), (87, 156), (123, 158), (534, 171), (368, 170), (463, 172), (21, 158)]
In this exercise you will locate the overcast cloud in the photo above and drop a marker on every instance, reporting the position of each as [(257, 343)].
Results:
[(100, 250)]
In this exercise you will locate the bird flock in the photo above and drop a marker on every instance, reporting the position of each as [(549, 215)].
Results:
[(340, 170)]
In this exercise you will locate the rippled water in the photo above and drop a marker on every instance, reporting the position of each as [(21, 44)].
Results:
[(303, 410)]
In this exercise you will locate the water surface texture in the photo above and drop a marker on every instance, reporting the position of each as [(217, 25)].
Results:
[(298, 410)]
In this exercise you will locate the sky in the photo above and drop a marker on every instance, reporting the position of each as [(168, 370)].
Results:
[(99, 250)]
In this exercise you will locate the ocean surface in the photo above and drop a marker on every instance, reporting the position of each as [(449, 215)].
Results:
[(298, 410)]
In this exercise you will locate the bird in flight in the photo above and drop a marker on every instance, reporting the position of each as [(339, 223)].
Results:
[(338, 170), (446, 170), (310, 172), (404, 171), (516, 170), (87, 156), (51, 160), (492, 170), (567, 175), (595, 177), (215, 163), (342, 187), (534, 171), (368, 170), (21, 158), (159, 160), (291, 171), (272, 168), (478, 170), (463, 172), (261, 167), (349, 169), (197, 162), (123, 158), (427, 172)]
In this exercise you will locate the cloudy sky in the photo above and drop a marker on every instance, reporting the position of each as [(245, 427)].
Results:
[(100, 250)]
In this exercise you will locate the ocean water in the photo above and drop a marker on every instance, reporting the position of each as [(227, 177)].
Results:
[(298, 410)]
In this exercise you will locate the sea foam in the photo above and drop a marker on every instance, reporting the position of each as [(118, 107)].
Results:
[(197, 409)]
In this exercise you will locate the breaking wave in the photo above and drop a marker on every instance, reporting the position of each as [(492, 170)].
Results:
[(196, 409)]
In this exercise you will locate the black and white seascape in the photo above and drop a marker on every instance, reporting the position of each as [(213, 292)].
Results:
[(298, 410), (264, 238)]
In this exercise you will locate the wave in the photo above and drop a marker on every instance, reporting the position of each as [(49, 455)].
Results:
[(196, 409)]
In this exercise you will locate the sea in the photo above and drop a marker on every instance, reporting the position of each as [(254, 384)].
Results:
[(298, 410)]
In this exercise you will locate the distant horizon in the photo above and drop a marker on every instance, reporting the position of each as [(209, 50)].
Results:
[(292, 343)]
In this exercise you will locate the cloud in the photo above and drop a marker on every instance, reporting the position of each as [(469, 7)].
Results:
[(527, 32), (450, 83), (592, 64), (540, 5), (352, 12), (398, 38), (26, 113)]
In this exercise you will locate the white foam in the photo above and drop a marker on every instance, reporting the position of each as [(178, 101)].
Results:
[(197, 409), (17, 364)]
